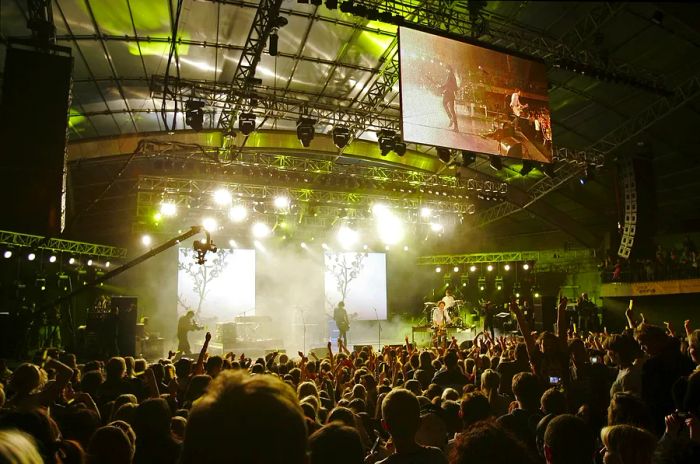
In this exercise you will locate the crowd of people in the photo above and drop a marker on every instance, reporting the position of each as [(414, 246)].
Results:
[(676, 262), (556, 397)]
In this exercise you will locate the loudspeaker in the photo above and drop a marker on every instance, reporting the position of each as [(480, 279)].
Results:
[(511, 148), (33, 122), (126, 325)]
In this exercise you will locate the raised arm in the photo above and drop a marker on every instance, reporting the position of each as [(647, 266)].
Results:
[(53, 390), (524, 329), (199, 367), (629, 314)]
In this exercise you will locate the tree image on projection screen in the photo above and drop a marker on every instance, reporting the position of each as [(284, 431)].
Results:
[(345, 267), (201, 275)]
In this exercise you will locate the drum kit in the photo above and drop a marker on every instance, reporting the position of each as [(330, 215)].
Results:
[(455, 313)]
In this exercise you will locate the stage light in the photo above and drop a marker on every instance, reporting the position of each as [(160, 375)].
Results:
[(496, 162), (52, 258), (387, 140), (306, 130), (281, 202), (304, 245), (399, 147), (444, 154), (347, 237), (222, 197), (194, 115), (405, 248), (238, 213), (526, 266), (481, 288), (380, 210), (489, 268), (499, 287), (390, 229), (341, 136), (31, 256), (387, 248), (325, 246), (261, 230), (506, 267), (168, 209), (232, 243), (7, 254), (107, 264), (89, 262), (365, 247), (72, 260), (472, 268), (537, 294), (146, 240), (455, 269), (468, 157), (527, 167), (246, 123), (517, 295), (210, 224), (438, 269), (426, 212), (435, 227)]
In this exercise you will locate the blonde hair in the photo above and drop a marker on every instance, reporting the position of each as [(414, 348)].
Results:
[(627, 444), (18, 447)]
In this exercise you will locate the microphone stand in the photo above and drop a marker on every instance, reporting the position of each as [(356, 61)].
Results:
[(379, 328)]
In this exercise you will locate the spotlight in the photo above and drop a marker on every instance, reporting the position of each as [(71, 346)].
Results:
[(168, 209), (305, 130), (438, 269), (341, 136), (426, 212), (194, 115), (435, 227), (304, 245), (527, 167), (107, 264), (468, 157), (222, 197), (455, 269), (246, 123), (325, 246), (496, 162), (232, 243), (89, 262), (238, 213), (405, 248), (7, 254), (506, 267), (444, 154), (210, 224), (390, 229), (52, 258), (281, 202), (72, 260), (146, 240), (489, 268), (526, 267), (347, 237), (31, 256), (365, 247), (588, 174), (387, 140), (472, 268), (536, 294), (261, 230), (400, 147), (380, 209)]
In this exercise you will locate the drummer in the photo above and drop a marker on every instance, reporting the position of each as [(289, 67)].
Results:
[(449, 299)]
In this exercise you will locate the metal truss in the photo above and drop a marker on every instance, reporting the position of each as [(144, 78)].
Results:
[(545, 257), (267, 12), (37, 242), (195, 196)]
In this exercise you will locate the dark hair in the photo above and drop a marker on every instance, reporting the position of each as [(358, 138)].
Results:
[(475, 407), (488, 442), (569, 440), (526, 389), (553, 401), (336, 443), (625, 346), (626, 408)]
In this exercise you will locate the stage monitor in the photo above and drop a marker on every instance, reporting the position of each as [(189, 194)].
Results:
[(467, 97), (221, 289), (358, 279)]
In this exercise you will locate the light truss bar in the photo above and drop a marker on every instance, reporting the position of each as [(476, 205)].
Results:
[(16, 239), (545, 257)]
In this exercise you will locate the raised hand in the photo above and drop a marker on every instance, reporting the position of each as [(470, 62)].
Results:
[(207, 337), (688, 328)]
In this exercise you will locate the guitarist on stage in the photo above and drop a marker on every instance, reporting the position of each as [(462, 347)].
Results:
[(440, 320), (449, 89), (341, 320)]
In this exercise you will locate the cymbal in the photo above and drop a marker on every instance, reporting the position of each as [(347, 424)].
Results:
[(428, 303)]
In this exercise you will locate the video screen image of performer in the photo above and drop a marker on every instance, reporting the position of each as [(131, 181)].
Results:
[(340, 315), (467, 97), (186, 324), (440, 320)]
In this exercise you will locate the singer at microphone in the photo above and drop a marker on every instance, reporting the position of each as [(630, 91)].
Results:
[(185, 324)]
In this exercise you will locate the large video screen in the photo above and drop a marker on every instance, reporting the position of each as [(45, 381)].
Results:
[(461, 96), (358, 279), (220, 290)]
